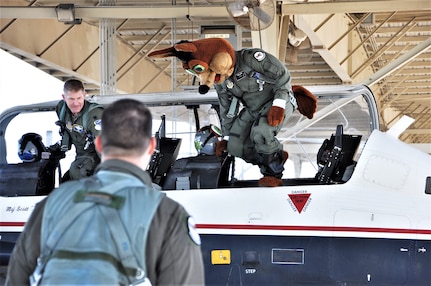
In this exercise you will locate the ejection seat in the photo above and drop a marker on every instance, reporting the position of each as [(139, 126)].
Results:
[(26, 179), (204, 171), (30, 177), (335, 157), (198, 172)]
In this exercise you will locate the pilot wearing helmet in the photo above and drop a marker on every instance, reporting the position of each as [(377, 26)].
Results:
[(206, 139)]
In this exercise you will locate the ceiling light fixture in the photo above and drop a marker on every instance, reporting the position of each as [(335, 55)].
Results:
[(66, 14)]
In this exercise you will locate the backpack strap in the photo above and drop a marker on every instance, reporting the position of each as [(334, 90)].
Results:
[(232, 107), (65, 136), (62, 114), (124, 246)]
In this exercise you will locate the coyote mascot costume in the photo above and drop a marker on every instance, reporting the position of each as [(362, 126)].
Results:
[(255, 95)]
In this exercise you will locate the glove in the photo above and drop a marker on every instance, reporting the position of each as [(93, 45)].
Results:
[(56, 151), (221, 146), (275, 115), (307, 102)]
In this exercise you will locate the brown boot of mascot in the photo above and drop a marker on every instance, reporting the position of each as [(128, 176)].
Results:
[(269, 181)]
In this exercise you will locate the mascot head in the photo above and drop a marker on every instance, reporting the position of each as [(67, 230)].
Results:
[(212, 60)]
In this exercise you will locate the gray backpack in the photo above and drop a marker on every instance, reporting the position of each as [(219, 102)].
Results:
[(74, 252)]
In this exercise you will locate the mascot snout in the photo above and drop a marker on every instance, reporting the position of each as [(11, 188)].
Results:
[(203, 89)]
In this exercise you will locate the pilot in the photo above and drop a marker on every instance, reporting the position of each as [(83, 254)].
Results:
[(80, 123), (206, 139)]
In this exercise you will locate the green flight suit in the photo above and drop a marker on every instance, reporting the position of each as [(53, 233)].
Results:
[(258, 79), (81, 134)]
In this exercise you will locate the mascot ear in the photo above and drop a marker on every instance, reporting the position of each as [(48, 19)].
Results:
[(183, 51), (165, 53), (186, 47), (307, 102)]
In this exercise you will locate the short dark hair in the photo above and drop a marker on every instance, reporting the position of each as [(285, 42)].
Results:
[(73, 85), (126, 128)]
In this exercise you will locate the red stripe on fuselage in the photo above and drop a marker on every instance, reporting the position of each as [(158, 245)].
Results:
[(312, 228), (13, 223)]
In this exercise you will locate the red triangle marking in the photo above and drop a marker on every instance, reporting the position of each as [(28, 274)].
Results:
[(299, 200)]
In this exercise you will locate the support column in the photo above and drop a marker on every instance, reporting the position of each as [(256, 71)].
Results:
[(108, 53)]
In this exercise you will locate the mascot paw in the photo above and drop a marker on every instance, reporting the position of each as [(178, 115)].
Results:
[(221, 146), (285, 156), (307, 102), (268, 181), (275, 115)]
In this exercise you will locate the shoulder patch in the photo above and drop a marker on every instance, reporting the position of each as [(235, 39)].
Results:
[(193, 233), (259, 56), (98, 124)]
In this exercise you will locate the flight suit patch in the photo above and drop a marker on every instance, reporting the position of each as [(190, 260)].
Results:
[(98, 124), (240, 75), (78, 128), (259, 56)]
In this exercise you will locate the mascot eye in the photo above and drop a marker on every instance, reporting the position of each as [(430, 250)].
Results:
[(199, 68)]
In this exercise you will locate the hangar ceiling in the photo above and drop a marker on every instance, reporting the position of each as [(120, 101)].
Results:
[(384, 44)]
